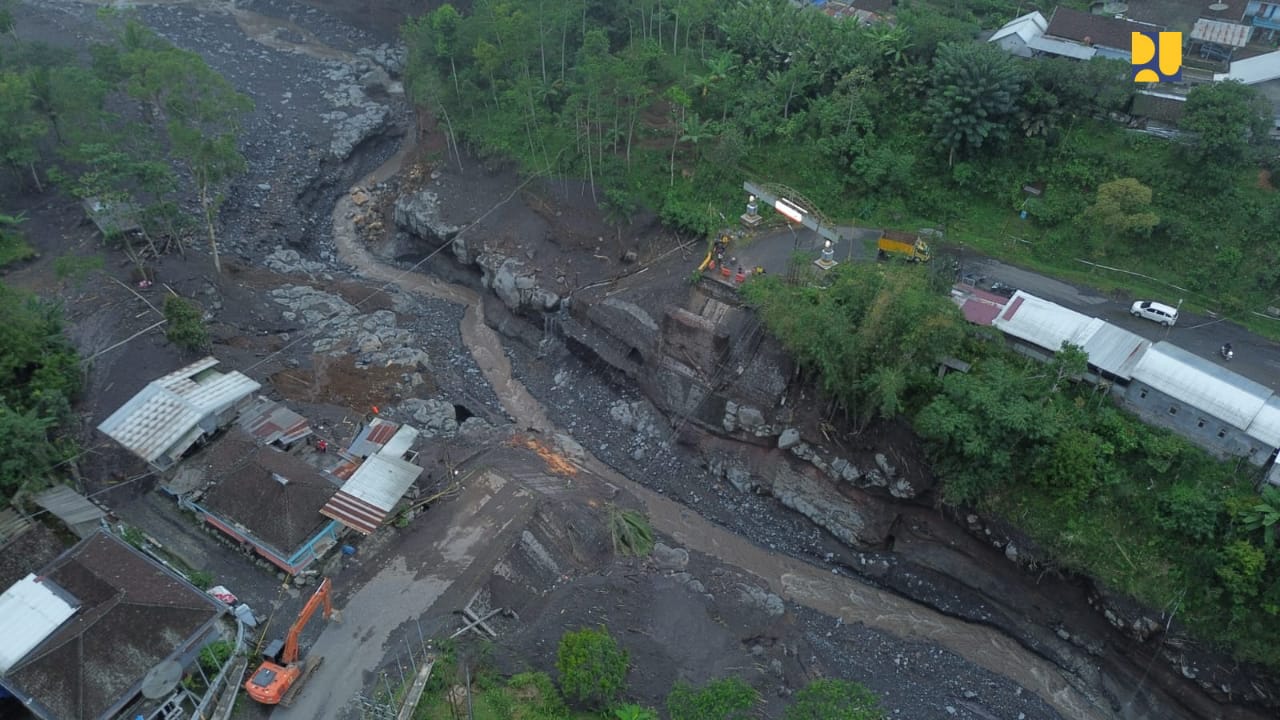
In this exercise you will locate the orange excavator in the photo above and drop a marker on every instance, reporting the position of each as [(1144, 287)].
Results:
[(280, 676)]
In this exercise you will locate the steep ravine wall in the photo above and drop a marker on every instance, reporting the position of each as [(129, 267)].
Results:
[(708, 366)]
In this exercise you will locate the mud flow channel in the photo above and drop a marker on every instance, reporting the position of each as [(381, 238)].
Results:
[(835, 595)]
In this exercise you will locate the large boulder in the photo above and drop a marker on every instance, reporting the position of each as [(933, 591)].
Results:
[(434, 417), (515, 284), (419, 213)]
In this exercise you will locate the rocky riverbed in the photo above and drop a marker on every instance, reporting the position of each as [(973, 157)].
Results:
[(328, 111)]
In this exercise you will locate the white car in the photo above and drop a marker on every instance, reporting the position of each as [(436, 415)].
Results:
[(1154, 311)]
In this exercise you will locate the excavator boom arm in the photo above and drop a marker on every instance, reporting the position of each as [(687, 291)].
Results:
[(321, 597)]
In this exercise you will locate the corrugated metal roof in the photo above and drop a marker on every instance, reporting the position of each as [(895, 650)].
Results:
[(1054, 46), (372, 437), (1221, 33), (1254, 70), (1113, 349), (1266, 424), (270, 422), (372, 492), (165, 413), (1041, 322), (30, 611), (12, 525), (354, 513), (1201, 384), (71, 508), (151, 422), (401, 442), (1027, 27)]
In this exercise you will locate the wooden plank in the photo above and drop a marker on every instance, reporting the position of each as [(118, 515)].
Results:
[(475, 623)]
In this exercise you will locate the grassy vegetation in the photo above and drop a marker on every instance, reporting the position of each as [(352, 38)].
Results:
[(592, 669)]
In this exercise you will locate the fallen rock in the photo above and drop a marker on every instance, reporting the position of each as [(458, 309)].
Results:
[(788, 439), (419, 213), (669, 558), (750, 418), (882, 462), (515, 284), (289, 262), (434, 417), (761, 599)]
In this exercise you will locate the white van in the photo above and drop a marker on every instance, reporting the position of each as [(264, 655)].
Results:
[(1154, 311)]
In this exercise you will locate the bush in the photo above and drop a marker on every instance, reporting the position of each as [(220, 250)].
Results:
[(835, 700), (593, 669), (726, 699), (538, 696), (634, 712), (186, 324), (213, 656)]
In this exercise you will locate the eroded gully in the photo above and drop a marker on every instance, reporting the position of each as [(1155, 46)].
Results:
[(834, 595), (798, 582)]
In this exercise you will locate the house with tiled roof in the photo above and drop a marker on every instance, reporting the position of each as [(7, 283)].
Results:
[(84, 637), (264, 498), (1110, 37)]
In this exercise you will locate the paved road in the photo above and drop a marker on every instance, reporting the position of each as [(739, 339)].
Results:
[(462, 540), (1256, 358)]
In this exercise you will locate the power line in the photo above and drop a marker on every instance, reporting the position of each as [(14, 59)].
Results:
[(395, 281)]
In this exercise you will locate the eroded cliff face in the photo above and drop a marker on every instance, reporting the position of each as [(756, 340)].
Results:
[(710, 365), (730, 395)]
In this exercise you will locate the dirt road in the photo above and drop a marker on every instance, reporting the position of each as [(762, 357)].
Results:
[(835, 595), (468, 533)]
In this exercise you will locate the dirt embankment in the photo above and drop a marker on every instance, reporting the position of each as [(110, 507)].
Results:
[(551, 235), (620, 327)]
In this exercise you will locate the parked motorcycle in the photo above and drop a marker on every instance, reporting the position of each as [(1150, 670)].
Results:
[(1226, 351)]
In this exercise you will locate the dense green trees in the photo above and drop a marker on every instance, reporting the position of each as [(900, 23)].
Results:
[(39, 378), (975, 94), (671, 105), (870, 335), (55, 122), (1230, 121)]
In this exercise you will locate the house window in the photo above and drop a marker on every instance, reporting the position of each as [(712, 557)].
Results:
[(1143, 394), (1173, 410), (1222, 433), (1200, 423)]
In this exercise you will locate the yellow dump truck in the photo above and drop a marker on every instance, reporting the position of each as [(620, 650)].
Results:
[(908, 246)]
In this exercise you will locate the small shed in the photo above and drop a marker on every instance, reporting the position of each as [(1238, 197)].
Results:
[(1017, 35), (112, 218), (377, 484), (1223, 34), (1165, 108), (73, 509), (271, 423)]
